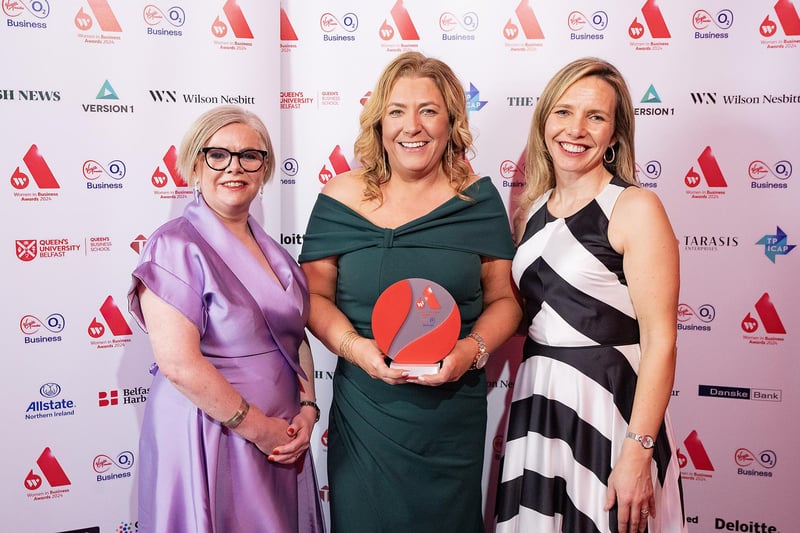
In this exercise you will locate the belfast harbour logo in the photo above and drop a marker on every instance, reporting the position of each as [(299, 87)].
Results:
[(32, 14), (97, 24), (164, 22), (583, 27), (36, 330), (35, 173), (232, 20), (653, 23), (708, 26), (788, 21), (47, 480), (765, 319), (775, 245), (398, 25), (764, 176), (522, 31), (110, 319), (707, 172), (458, 27)]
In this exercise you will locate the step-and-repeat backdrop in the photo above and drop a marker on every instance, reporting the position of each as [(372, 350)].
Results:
[(95, 95)]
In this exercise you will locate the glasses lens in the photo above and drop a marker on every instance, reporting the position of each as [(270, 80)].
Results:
[(218, 158), (251, 160)]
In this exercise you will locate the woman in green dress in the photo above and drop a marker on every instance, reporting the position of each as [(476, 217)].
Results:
[(405, 452)]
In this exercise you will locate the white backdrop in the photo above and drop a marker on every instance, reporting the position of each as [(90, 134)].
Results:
[(95, 94)]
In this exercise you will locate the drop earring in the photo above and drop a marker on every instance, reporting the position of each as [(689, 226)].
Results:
[(196, 192)]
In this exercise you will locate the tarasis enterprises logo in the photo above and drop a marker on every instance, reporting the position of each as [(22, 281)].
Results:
[(579, 25), (766, 176), (47, 467), (338, 165), (699, 459), (237, 23), (38, 10), (775, 245), (766, 318), (789, 21), (709, 171), (110, 318), (702, 22), (41, 175), (168, 182), (522, 32), (165, 23), (403, 25)]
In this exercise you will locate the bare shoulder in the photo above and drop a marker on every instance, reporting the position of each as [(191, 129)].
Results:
[(638, 216), (638, 204), (347, 187)]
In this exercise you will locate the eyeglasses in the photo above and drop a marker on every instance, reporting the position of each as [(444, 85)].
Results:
[(220, 158)]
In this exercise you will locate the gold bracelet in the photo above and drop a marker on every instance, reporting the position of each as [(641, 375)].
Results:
[(237, 418), (313, 404), (346, 344)]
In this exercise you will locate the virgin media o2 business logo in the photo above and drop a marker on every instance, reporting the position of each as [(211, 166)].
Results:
[(697, 466), (47, 473), (33, 13), (110, 319), (35, 172), (765, 319)]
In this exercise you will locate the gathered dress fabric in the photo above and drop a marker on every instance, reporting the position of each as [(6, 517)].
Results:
[(406, 457), (573, 393), (195, 475)]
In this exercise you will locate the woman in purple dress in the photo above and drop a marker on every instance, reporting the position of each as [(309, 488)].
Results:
[(224, 441)]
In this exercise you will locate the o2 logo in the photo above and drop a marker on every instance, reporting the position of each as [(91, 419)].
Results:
[(702, 19)]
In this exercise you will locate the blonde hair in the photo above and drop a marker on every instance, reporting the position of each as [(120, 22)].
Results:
[(539, 171), (369, 147), (207, 124)]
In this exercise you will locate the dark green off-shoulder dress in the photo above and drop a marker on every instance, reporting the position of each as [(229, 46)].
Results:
[(408, 458)]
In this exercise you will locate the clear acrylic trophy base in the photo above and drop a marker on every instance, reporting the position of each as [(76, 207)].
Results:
[(417, 369)]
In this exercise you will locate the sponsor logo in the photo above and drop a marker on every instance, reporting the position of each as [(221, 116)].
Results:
[(767, 319), (697, 456), (138, 243), (766, 176), (295, 99), (30, 95), (111, 398), (709, 243), (108, 469), (164, 23), (51, 406), (775, 245), (47, 473), (98, 24), (26, 14), (474, 102), (403, 28), (30, 249), (513, 172), (755, 464), (31, 327), (96, 174), (789, 22), (651, 99), (91, 529), (522, 31), (290, 167), (39, 172), (740, 393), (127, 527), (688, 318), (744, 526), (338, 164), (295, 239), (584, 27), (652, 22), (708, 170), (108, 95), (708, 26), (168, 182), (333, 26), (110, 319), (288, 35), (648, 174), (711, 98), (325, 493), (236, 24), (171, 96), (458, 27)]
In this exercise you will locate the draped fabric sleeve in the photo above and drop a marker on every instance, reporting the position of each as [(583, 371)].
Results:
[(170, 266)]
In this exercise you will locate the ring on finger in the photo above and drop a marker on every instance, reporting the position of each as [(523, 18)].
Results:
[(644, 512)]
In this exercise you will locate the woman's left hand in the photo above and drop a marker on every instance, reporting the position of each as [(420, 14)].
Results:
[(454, 365), (300, 432), (631, 486)]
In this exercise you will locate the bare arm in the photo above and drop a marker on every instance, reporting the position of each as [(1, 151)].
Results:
[(641, 231)]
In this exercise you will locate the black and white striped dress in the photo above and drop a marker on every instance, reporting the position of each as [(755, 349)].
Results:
[(573, 393)]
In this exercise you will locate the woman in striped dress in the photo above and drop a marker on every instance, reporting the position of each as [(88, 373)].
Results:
[(589, 446)]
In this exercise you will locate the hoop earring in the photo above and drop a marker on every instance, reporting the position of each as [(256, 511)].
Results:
[(609, 160), (449, 160), (196, 192)]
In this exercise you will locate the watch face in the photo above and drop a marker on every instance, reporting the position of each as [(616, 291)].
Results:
[(481, 362), (647, 441)]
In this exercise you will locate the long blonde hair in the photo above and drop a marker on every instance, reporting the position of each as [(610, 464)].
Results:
[(539, 171), (369, 147)]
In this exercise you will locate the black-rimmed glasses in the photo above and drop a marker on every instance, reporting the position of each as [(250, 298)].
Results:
[(220, 158)]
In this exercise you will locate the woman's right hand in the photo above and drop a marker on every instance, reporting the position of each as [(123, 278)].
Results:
[(271, 433), (366, 354)]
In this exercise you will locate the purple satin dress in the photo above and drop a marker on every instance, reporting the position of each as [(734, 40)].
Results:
[(194, 474)]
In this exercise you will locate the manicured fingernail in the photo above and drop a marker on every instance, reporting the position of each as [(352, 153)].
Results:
[(291, 431)]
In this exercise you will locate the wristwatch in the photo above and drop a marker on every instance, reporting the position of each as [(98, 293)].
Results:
[(646, 441), (482, 356)]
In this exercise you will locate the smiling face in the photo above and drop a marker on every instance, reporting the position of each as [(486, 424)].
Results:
[(230, 192), (580, 128), (415, 127)]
